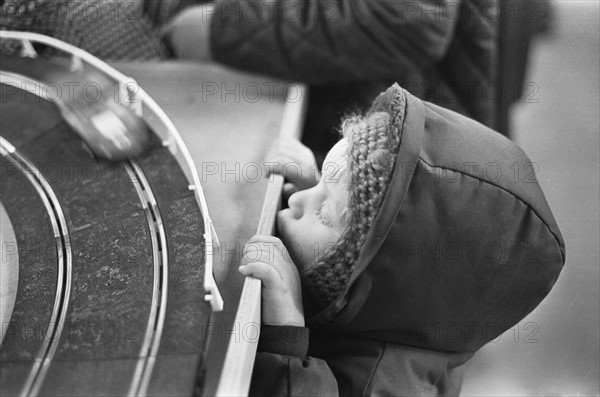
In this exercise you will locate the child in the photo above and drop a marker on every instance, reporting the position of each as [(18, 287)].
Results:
[(431, 239)]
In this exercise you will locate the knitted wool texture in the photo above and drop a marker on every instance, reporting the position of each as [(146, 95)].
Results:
[(373, 143), (108, 29)]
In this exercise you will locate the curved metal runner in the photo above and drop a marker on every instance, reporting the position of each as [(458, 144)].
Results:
[(65, 265), (160, 322), (130, 93), (156, 320)]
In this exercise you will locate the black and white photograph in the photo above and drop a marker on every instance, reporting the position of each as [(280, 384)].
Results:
[(299, 198)]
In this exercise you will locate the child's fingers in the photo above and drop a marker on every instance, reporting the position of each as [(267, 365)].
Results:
[(288, 190), (275, 150), (275, 165), (270, 251), (261, 248), (262, 271), (283, 165), (287, 150)]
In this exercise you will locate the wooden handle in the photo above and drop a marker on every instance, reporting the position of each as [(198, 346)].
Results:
[(239, 359)]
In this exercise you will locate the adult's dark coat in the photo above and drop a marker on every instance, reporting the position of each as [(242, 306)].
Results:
[(349, 51)]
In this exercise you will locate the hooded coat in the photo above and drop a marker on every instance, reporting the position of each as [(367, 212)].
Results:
[(463, 247)]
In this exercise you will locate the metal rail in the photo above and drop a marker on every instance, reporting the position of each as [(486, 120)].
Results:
[(134, 96), (160, 285), (65, 266)]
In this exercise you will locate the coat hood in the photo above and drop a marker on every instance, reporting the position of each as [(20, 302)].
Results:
[(464, 244)]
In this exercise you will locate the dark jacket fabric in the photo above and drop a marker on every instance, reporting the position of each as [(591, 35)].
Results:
[(349, 51), (463, 247)]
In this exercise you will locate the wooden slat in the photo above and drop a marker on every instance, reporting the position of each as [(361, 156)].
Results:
[(239, 360)]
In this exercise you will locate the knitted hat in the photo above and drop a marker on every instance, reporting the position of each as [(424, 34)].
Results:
[(373, 142), (460, 250)]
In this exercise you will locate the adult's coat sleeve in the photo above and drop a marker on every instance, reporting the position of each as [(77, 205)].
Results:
[(331, 41)]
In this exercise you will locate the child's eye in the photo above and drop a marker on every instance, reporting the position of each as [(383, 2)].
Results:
[(325, 221), (322, 216)]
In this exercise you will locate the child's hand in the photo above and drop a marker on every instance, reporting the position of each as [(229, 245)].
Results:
[(294, 161), (288, 190), (267, 259)]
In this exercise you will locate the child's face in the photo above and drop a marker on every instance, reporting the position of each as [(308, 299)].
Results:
[(315, 218)]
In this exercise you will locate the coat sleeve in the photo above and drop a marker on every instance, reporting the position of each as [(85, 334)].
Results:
[(332, 41), (282, 368)]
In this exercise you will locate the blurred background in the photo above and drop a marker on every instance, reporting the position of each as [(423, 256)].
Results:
[(555, 350)]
